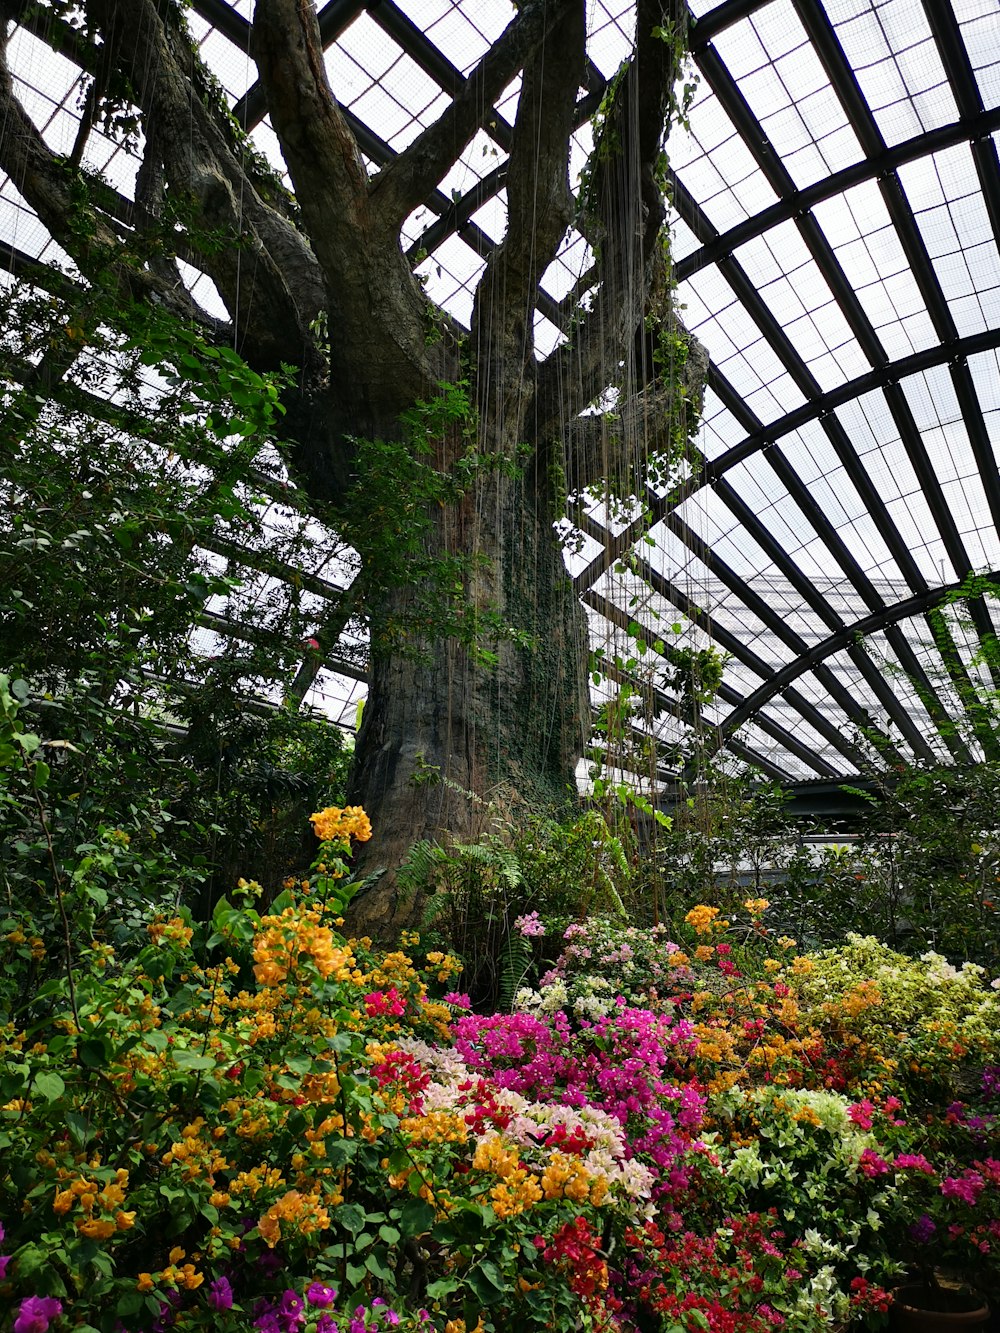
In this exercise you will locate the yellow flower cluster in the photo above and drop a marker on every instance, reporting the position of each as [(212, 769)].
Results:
[(757, 906), (174, 1275), (94, 1198), (174, 931), (446, 963), (197, 1157), (703, 919), (517, 1189), (299, 1212), (340, 825), (568, 1178), (17, 936), (440, 1127), (283, 939)]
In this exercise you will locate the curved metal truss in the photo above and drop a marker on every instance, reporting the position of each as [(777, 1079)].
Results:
[(837, 228)]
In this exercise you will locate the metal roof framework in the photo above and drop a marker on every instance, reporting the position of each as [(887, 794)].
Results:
[(837, 250)]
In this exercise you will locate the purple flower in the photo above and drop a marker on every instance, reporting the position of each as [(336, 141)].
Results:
[(291, 1311), (36, 1313), (321, 1295), (326, 1324), (220, 1294), (923, 1229)]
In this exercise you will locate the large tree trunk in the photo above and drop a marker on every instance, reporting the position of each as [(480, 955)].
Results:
[(452, 738)]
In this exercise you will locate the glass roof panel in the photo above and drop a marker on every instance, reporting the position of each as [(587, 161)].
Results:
[(946, 197), (898, 68), (869, 249)]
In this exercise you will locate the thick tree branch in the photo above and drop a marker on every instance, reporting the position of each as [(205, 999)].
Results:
[(381, 357), (262, 267), (539, 211), (322, 154), (407, 181), (53, 190), (625, 213)]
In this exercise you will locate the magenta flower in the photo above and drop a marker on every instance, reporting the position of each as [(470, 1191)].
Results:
[(966, 1187), (872, 1165), (913, 1161), (326, 1324), (220, 1294), (861, 1114), (923, 1229), (321, 1295), (529, 925), (36, 1313)]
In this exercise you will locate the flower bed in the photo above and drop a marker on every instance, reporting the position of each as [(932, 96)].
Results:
[(255, 1123)]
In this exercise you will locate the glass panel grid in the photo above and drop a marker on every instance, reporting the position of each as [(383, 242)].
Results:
[(869, 250), (787, 88), (898, 68)]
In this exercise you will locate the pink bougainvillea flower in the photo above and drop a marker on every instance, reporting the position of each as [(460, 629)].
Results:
[(36, 1313)]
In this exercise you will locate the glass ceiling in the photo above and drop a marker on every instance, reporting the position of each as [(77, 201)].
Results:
[(836, 204)]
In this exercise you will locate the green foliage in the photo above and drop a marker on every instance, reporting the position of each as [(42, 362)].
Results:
[(475, 896), (163, 774)]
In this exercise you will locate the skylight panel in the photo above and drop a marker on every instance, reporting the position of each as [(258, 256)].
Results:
[(872, 430), (789, 281), (978, 23), (720, 430), (401, 103), (450, 276), (232, 67), (718, 170), (985, 371), (789, 92), (898, 68), (574, 258), (757, 739), (936, 411), (461, 34), (764, 492), (951, 213), (869, 250), (737, 345), (611, 34)]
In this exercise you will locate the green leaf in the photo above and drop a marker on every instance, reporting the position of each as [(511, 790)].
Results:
[(79, 1128), (352, 1217), (416, 1217), (184, 1059), (50, 1085), (94, 1052), (486, 1282)]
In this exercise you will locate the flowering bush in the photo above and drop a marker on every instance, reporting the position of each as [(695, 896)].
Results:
[(253, 1122)]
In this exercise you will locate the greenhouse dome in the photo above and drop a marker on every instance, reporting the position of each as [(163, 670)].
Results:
[(835, 196)]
